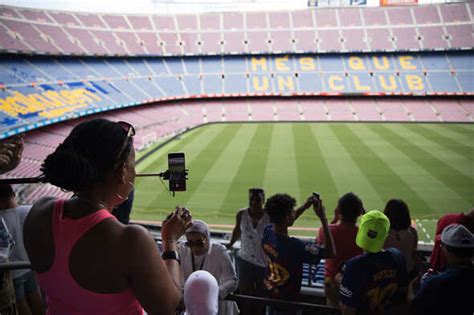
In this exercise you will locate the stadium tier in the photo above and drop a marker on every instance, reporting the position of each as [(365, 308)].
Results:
[(37, 91), (434, 27)]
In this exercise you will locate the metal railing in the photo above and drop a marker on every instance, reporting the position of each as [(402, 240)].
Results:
[(304, 307)]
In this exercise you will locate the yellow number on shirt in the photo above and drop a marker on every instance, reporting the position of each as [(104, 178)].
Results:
[(377, 296)]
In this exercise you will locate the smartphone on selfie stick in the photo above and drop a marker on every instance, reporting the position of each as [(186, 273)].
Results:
[(177, 174)]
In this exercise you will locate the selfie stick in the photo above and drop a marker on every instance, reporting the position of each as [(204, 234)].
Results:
[(42, 179), (164, 175), (27, 180)]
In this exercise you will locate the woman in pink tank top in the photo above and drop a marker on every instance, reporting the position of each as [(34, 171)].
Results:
[(87, 261)]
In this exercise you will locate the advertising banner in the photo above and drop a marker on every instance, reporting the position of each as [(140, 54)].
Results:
[(387, 3)]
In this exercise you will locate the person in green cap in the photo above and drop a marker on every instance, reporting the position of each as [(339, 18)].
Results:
[(373, 281)]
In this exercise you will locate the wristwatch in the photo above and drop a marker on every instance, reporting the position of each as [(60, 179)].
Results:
[(171, 254)]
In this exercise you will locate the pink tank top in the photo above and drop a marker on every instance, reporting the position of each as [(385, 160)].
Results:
[(63, 294)]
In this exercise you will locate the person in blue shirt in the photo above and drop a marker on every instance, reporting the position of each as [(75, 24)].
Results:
[(285, 254), (449, 292), (374, 280)]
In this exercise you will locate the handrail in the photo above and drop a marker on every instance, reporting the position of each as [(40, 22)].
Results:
[(284, 304), (10, 265)]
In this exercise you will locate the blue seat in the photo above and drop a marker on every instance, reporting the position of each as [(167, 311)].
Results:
[(212, 84), (192, 65), (211, 65), (234, 64), (171, 86), (175, 65), (157, 66), (466, 82), (192, 84), (443, 82), (235, 83)]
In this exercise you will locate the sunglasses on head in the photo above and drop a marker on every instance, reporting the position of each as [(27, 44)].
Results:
[(130, 132), (199, 243)]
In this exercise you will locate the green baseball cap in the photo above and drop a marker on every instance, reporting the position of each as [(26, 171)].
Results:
[(373, 230)]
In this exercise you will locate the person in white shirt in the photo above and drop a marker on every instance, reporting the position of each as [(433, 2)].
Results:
[(250, 259), (27, 294), (198, 253)]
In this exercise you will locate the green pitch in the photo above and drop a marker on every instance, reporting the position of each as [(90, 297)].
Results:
[(430, 166)]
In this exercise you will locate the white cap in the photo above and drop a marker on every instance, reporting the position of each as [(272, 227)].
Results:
[(201, 294), (457, 236)]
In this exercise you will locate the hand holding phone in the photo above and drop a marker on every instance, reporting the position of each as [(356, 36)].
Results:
[(175, 224), (318, 206), (316, 197)]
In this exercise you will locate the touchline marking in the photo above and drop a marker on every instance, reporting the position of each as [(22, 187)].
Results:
[(418, 222)]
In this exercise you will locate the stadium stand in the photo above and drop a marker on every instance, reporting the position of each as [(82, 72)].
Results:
[(434, 27), (40, 90), (167, 74), (222, 59)]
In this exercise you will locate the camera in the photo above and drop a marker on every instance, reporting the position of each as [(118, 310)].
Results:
[(316, 196)]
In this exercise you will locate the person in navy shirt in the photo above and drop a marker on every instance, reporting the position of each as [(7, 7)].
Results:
[(285, 254), (449, 292), (372, 280)]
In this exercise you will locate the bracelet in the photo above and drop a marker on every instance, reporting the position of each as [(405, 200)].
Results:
[(171, 254)]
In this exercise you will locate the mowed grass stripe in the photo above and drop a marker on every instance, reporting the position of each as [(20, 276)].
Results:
[(347, 175), (280, 175), (463, 130), (311, 166), (435, 193), (209, 196), (198, 154), (447, 130), (456, 161), (444, 172), (447, 143), (251, 170), (383, 179)]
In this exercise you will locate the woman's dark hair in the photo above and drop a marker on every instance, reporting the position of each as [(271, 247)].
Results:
[(257, 192), (86, 155), (6, 192), (397, 212), (350, 207), (279, 206)]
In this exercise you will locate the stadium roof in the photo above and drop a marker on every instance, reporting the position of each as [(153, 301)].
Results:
[(199, 6), (159, 6)]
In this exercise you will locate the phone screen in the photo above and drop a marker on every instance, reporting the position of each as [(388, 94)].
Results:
[(177, 172)]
